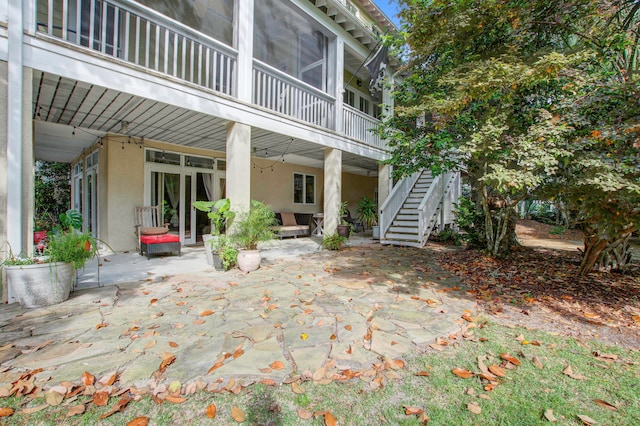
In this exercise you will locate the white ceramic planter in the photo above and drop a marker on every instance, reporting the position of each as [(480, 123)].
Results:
[(42, 284), (249, 260)]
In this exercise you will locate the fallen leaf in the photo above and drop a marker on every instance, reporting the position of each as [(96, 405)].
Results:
[(53, 398), (411, 410), (348, 327), (139, 421), (423, 373), (237, 414), (175, 386), (304, 414), (297, 389), (166, 362), (88, 379), (548, 414), (100, 398), (461, 372), (474, 407), (175, 399), (199, 321), (536, 361), (6, 412), (101, 325), (497, 370), (238, 353), (437, 347), (587, 420), (75, 410), (153, 301), (173, 344), (569, 372), (215, 366), (211, 411), (31, 410), (330, 420), (207, 313), (513, 360), (150, 344), (396, 364), (118, 406), (605, 404), (277, 365), (109, 379), (304, 336)]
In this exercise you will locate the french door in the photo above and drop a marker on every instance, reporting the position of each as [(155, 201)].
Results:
[(175, 188)]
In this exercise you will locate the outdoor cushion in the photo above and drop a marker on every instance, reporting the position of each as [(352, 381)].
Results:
[(159, 239), (288, 219), (154, 231)]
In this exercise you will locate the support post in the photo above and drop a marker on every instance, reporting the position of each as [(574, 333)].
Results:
[(239, 166), (244, 45), (332, 189)]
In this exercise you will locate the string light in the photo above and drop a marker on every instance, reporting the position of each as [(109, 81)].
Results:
[(74, 131)]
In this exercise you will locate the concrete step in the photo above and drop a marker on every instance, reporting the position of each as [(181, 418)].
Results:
[(399, 237)]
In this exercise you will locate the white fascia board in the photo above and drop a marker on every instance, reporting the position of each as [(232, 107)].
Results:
[(4, 45), (71, 62)]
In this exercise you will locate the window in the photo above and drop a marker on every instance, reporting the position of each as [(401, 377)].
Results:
[(349, 97), (364, 105), (304, 189)]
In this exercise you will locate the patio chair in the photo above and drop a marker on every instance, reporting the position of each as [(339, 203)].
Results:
[(154, 237)]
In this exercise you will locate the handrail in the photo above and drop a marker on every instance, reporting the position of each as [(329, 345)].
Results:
[(361, 126), (429, 206), (279, 92), (136, 34), (394, 201)]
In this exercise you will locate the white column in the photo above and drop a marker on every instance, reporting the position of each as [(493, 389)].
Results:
[(15, 219), (244, 45), (239, 166), (384, 184), (28, 162), (332, 189)]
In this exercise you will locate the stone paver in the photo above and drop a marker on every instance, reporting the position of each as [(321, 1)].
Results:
[(351, 308)]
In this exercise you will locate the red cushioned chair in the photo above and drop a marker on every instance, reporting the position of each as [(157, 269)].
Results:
[(153, 237), (164, 243)]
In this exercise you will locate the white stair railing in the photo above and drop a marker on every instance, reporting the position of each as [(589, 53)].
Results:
[(429, 207), (394, 202)]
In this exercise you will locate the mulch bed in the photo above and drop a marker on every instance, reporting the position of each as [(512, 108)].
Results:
[(543, 280)]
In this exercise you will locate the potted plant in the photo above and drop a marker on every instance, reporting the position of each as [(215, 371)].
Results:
[(252, 228), (333, 241), (47, 280), (367, 212), (220, 214), (344, 227), (225, 255)]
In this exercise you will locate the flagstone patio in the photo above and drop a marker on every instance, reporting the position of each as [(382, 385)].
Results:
[(345, 310)]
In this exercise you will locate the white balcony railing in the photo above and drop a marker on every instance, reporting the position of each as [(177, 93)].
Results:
[(138, 35), (359, 125), (284, 94)]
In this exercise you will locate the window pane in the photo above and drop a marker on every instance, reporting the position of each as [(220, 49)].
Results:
[(200, 162), (298, 188), (163, 157), (310, 189)]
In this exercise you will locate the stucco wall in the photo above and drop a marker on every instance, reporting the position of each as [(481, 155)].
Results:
[(124, 191), (355, 187)]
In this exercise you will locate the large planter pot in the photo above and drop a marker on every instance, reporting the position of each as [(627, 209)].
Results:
[(344, 230), (206, 238), (249, 260), (42, 284)]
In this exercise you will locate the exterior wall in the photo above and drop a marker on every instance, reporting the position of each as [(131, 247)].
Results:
[(276, 188), (3, 164), (356, 187), (123, 191)]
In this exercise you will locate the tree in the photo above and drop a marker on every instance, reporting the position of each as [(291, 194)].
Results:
[(526, 98), (52, 192)]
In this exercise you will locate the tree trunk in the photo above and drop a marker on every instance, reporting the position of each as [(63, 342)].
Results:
[(593, 247), (617, 254)]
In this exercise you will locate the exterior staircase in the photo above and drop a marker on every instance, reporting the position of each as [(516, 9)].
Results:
[(416, 206)]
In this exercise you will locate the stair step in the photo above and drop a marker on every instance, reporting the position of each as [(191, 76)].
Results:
[(405, 223), (407, 212), (400, 243), (412, 217), (400, 237), (404, 230)]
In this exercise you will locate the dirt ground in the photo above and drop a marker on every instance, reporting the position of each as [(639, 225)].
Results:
[(536, 287)]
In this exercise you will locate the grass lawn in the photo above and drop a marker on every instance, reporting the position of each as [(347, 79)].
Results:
[(602, 385)]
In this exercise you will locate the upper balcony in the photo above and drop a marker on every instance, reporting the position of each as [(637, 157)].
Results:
[(291, 76)]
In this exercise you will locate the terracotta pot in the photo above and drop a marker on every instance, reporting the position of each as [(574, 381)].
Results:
[(344, 230), (249, 260)]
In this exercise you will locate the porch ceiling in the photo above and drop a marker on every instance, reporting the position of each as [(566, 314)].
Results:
[(71, 115)]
